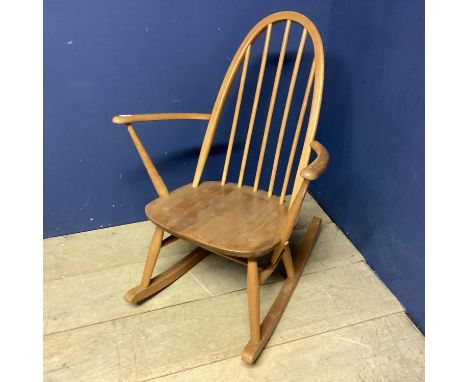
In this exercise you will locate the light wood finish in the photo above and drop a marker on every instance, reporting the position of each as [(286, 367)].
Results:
[(272, 104), (312, 128), (265, 273), (239, 260), (236, 116), (340, 312), (84, 273), (153, 253), (294, 209), (269, 323), (237, 221), (286, 112), (223, 219), (278, 251), (126, 119), (160, 342), (158, 283), (297, 133), (253, 295), (265, 24), (255, 103), (313, 171), (318, 166), (156, 179), (288, 263), (288, 17), (383, 349)]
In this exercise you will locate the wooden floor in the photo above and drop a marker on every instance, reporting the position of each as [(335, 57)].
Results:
[(342, 323)]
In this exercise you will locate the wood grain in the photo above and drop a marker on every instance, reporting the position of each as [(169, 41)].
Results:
[(237, 221), (387, 348), (255, 103), (287, 106), (297, 133), (170, 340), (271, 108), (236, 116), (223, 219), (319, 165), (158, 283), (287, 17), (253, 348), (83, 293)]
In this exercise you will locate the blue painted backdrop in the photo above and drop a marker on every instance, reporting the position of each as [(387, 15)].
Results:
[(373, 124), (121, 57)]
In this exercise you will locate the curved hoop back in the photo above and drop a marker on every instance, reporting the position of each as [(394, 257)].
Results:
[(315, 77)]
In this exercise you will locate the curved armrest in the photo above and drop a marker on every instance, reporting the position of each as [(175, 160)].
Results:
[(126, 119), (318, 166), (311, 172)]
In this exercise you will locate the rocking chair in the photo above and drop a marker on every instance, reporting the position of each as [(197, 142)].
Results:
[(239, 222)]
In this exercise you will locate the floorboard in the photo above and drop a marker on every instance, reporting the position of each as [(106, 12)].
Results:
[(342, 323)]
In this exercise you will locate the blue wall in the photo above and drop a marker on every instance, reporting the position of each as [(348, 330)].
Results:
[(373, 124), (120, 57)]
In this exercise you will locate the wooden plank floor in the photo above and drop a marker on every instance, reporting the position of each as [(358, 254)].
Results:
[(342, 323)]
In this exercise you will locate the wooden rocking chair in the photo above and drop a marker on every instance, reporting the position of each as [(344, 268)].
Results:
[(236, 221)]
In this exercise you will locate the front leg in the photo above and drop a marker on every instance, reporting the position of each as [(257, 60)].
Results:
[(149, 285), (253, 295), (260, 334)]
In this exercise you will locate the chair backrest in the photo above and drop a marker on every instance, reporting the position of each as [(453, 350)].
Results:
[(315, 77)]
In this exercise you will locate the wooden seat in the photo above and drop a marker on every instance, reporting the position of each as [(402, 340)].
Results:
[(234, 220), (224, 219)]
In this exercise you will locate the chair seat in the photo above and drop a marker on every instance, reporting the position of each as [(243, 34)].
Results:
[(223, 219)]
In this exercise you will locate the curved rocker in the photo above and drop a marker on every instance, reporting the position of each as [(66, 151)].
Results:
[(239, 222), (261, 333)]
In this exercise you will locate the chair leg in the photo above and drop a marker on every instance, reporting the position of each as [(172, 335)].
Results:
[(153, 253), (253, 348), (150, 286), (253, 295), (288, 263)]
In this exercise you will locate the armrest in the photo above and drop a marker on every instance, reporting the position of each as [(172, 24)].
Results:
[(318, 166), (126, 119)]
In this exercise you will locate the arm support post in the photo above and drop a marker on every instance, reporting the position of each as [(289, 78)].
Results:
[(156, 179), (309, 173)]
